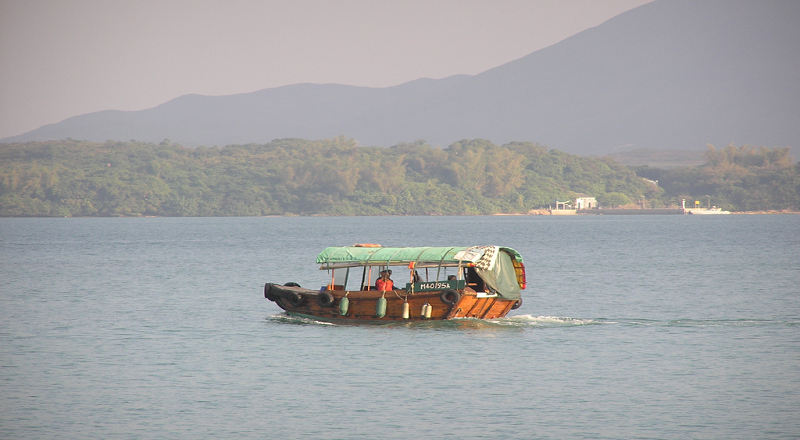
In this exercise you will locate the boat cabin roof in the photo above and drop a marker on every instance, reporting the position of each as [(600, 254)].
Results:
[(373, 255)]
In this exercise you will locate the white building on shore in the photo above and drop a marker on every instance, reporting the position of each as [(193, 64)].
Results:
[(585, 201)]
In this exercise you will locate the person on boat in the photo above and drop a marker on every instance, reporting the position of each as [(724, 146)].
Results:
[(417, 278), (384, 282)]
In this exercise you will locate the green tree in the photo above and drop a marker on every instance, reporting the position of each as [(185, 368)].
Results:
[(613, 199)]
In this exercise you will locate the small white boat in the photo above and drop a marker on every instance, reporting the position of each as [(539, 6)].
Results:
[(706, 211), (710, 210)]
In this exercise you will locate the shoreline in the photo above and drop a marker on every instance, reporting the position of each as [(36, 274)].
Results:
[(533, 212)]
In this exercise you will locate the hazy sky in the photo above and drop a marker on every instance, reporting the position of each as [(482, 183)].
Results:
[(64, 58)]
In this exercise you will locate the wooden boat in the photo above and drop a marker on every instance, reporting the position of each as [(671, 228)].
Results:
[(438, 283)]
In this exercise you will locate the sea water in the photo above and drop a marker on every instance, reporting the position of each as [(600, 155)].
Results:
[(673, 327)]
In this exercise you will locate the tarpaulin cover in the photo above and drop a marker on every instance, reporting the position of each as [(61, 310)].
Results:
[(501, 278)]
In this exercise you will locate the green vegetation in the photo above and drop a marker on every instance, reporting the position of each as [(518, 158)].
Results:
[(613, 199), (337, 177), (742, 178)]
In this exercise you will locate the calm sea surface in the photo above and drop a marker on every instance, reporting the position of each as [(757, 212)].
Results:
[(673, 327)]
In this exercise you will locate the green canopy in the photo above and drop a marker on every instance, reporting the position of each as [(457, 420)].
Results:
[(421, 256)]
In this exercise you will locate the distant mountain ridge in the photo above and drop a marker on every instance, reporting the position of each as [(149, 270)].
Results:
[(671, 74)]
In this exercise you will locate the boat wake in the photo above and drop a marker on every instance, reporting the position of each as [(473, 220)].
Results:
[(520, 321), (283, 318), (547, 321), (530, 321), (551, 321)]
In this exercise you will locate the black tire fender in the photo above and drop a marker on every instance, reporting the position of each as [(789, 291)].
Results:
[(450, 296), (291, 284), (325, 299), (517, 304), (295, 299)]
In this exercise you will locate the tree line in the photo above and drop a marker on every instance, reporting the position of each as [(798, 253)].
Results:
[(744, 178), (338, 177)]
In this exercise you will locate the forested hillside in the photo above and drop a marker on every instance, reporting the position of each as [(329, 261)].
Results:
[(293, 176), (745, 178), (337, 177)]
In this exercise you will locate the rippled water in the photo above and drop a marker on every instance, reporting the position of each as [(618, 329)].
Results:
[(631, 327)]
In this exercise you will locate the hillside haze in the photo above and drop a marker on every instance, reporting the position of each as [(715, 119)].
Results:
[(666, 75)]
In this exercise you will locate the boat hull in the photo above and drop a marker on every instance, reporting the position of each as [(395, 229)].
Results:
[(364, 305), (712, 211)]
